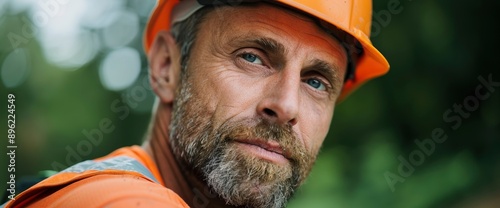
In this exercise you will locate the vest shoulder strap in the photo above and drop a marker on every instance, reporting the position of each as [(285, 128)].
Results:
[(85, 169)]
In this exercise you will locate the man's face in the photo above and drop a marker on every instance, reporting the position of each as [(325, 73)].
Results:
[(257, 102)]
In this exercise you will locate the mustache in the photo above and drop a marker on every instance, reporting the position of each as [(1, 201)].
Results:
[(266, 131)]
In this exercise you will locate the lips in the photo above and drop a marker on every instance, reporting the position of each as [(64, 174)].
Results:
[(271, 146)]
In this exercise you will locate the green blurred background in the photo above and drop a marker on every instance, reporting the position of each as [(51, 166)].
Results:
[(75, 64)]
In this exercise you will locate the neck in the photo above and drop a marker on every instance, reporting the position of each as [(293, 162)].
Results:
[(194, 191)]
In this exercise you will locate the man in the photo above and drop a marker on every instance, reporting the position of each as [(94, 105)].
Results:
[(246, 92)]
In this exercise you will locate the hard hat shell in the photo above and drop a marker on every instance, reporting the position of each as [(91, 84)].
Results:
[(351, 16)]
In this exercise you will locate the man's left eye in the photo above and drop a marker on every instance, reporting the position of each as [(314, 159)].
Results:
[(252, 58), (315, 83)]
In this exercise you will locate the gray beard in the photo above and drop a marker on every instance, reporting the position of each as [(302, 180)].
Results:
[(239, 178)]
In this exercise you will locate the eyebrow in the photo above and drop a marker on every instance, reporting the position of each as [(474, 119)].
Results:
[(270, 45), (267, 44)]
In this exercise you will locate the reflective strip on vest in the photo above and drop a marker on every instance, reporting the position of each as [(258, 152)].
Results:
[(116, 163)]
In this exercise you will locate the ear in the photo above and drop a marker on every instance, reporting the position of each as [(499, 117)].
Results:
[(164, 64)]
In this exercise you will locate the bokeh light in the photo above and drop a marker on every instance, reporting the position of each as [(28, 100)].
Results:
[(120, 68), (15, 68), (123, 29)]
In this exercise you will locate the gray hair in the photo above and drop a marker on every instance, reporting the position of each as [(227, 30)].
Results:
[(185, 33)]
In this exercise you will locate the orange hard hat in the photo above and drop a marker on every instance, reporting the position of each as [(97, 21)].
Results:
[(351, 16)]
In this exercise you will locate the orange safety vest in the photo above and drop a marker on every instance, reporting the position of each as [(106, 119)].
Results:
[(126, 177)]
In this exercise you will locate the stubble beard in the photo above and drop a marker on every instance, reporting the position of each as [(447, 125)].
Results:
[(240, 178)]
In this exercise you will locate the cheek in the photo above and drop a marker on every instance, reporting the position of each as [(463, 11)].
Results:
[(226, 92), (315, 125)]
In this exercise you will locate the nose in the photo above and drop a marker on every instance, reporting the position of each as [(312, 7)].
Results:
[(280, 100)]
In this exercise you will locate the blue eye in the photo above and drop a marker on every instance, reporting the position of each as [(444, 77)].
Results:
[(251, 58), (316, 84)]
